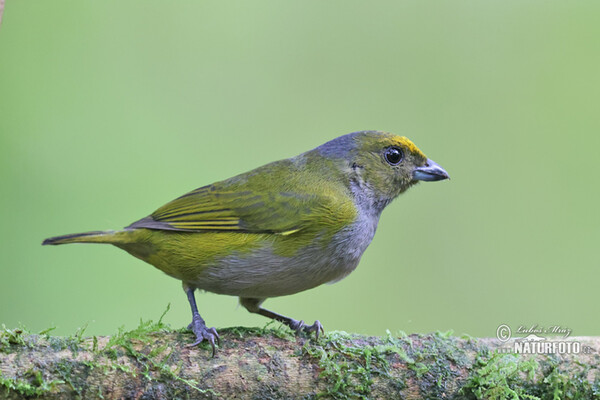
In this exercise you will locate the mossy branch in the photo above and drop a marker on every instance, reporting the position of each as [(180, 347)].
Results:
[(154, 362)]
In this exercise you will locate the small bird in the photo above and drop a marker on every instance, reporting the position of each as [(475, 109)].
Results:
[(279, 229)]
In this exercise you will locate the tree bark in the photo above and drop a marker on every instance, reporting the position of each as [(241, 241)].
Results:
[(152, 362)]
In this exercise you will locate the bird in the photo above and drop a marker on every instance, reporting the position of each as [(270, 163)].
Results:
[(282, 228)]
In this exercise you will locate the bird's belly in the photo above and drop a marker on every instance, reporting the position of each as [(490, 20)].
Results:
[(265, 272)]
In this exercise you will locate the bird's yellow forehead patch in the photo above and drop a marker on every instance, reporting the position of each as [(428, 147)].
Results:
[(375, 141), (404, 142)]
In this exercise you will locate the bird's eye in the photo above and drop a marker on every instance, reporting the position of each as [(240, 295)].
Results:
[(393, 155)]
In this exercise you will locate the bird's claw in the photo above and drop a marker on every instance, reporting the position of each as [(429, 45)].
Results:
[(203, 333), (300, 326)]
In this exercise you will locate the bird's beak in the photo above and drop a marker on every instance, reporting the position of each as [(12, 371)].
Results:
[(431, 171)]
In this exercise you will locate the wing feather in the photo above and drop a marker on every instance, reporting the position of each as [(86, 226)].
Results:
[(268, 207)]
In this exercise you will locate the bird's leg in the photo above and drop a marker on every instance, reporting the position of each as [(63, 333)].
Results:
[(198, 326), (295, 325), (253, 305)]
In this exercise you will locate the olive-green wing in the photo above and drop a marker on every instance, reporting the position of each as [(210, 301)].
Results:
[(233, 207)]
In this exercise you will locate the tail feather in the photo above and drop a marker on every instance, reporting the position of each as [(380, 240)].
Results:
[(86, 237)]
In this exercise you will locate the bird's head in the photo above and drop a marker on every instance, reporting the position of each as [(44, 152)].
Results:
[(382, 165)]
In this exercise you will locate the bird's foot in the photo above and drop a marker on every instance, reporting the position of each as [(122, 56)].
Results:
[(300, 326), (198, 326)]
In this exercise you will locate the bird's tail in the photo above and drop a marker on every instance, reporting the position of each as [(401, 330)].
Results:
[(112, 237)]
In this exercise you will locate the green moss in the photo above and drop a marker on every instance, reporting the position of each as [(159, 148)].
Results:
[(73, 343), (32, 384), (568, 382), (348, 363), (64, 369), (10, 337), (271, 328), (511, 376), (46, 332), (94, 344), (497, 377), (435, 360), (152, 366), (143, 332), (123, 343)]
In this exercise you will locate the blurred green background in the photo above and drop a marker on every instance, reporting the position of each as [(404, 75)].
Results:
[(110, 109)]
